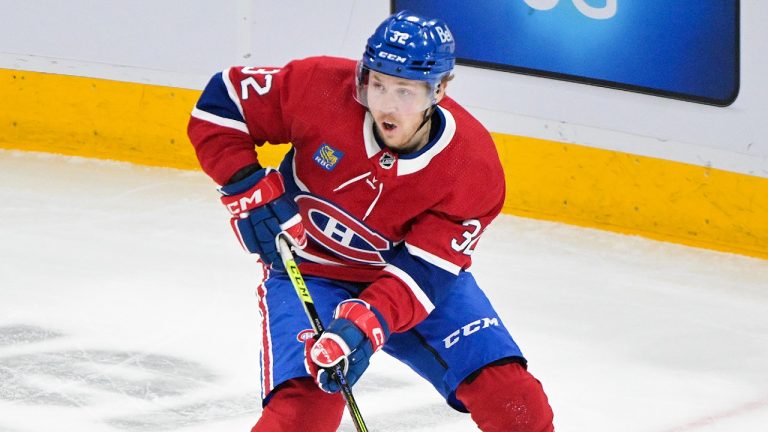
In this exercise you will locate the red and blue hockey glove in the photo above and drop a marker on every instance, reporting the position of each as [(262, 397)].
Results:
[(356, 332), (260, 211)]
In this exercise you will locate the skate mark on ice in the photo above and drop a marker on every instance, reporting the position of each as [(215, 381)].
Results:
[(73, 377), (90, 378), (191, 414), (24, 334)]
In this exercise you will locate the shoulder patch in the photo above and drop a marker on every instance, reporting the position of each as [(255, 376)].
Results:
[(327, 157)]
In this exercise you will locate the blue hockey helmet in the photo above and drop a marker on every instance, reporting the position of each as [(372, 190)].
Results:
[(408, 46)]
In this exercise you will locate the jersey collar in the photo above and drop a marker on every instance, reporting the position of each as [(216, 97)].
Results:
[(414, 162)]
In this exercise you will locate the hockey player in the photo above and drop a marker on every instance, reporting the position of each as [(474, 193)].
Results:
[(385, 192)]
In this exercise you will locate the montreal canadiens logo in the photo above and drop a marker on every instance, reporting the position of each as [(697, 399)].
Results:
[(340, 233), (305, 335)]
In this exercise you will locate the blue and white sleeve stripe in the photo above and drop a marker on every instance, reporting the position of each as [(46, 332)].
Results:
[(219, 104)]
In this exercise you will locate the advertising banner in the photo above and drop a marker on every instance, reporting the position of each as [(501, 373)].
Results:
[(683, 49)]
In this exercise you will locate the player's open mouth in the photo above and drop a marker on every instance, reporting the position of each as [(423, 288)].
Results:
[(388, 126)]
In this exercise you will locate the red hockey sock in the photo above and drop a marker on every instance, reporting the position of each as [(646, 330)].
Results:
[(299, 405), (507, 398)]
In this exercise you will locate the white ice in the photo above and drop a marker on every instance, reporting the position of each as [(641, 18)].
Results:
[(127, 306)]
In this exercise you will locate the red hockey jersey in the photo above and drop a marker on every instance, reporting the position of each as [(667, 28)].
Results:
[(405, 223)]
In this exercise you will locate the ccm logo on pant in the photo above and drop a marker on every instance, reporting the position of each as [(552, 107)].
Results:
[(469, 329)]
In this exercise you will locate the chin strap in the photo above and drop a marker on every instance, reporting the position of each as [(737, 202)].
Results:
[(427, 116)]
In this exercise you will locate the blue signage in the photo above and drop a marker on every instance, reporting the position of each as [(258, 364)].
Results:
[(683, 49)]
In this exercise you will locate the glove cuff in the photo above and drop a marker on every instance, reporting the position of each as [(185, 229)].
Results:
[(245, 183), (366, 318), (254, 191)]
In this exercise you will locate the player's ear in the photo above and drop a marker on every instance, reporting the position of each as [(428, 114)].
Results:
[(440, 92)]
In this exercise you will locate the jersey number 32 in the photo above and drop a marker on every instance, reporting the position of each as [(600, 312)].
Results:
[(469, 238)]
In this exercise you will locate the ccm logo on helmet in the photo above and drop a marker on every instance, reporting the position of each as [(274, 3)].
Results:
[(393, 57), (469, 329)]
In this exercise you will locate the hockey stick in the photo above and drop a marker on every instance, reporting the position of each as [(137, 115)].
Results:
[(309, 307)]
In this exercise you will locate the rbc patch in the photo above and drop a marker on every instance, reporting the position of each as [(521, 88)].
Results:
[(327, 157)]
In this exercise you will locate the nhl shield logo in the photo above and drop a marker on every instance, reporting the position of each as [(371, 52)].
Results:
[(387, 160)]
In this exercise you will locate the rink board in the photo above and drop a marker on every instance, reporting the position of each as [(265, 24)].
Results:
[(551, 180)]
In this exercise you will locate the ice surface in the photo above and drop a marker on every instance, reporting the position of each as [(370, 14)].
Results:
[(127, 306)]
